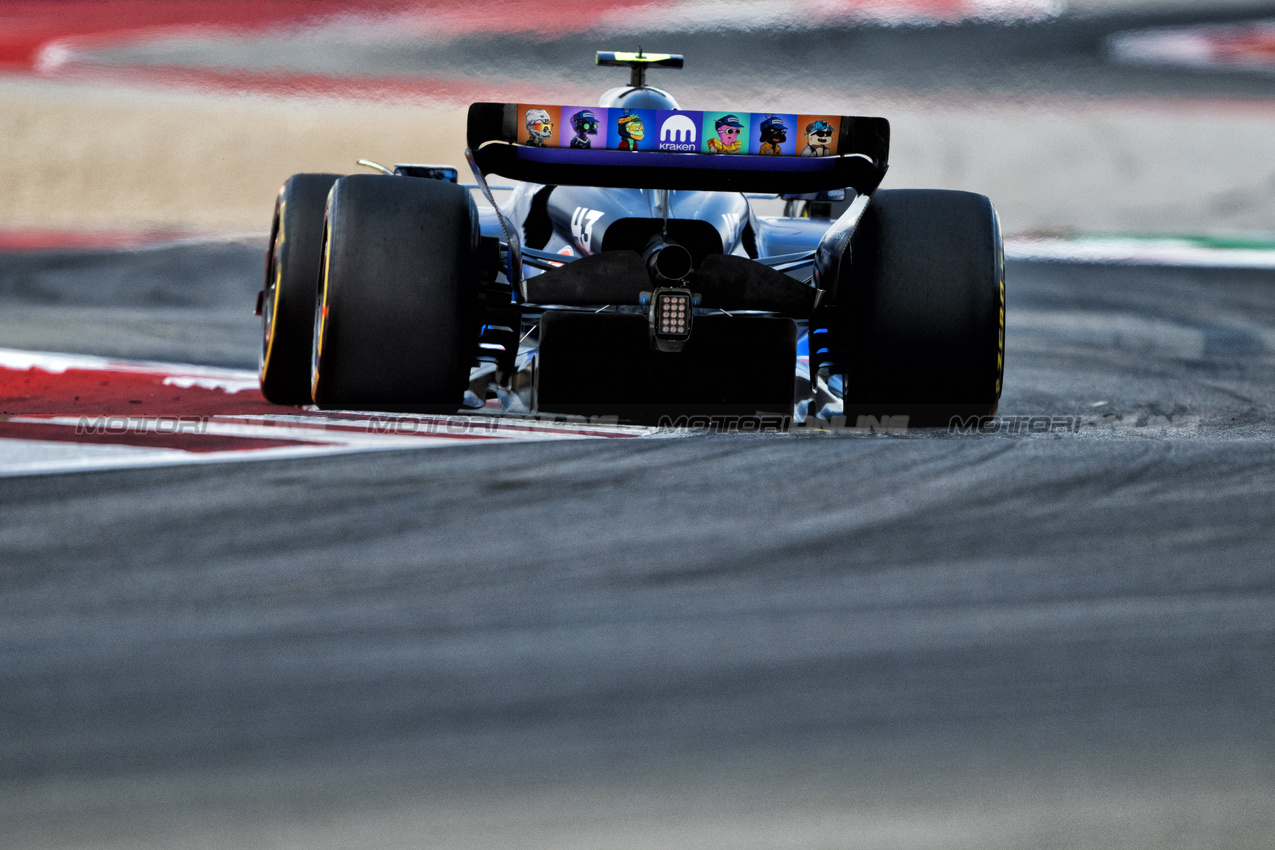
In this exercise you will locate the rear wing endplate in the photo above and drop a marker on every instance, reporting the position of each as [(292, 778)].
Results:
[(666, 149)]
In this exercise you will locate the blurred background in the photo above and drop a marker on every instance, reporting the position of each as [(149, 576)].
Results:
[(129, 117)]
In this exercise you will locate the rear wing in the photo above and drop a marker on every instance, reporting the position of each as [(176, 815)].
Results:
[(666, 149)]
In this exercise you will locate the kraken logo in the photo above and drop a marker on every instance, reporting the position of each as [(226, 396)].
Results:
[(678, 128), (677, 134)]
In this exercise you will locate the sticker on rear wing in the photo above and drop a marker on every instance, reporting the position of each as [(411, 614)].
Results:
[(663, 130)]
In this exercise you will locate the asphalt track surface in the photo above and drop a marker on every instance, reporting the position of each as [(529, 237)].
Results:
[(916, 640)]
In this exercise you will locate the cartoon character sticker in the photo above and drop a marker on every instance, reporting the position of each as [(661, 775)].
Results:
[(775, 135), (674, 131), (585, 124), (727, 135), (820, 134), (630, 127), (539, 125)]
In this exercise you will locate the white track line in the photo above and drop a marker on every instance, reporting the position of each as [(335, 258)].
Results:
[(1136, 251), (215, 431)]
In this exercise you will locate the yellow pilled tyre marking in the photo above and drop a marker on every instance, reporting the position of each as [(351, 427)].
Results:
[(323, 310), (1000, 351), (278, 286), (1000, 343)]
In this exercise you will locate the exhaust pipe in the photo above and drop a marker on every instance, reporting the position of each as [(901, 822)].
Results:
[(667, 262), (671, 306)]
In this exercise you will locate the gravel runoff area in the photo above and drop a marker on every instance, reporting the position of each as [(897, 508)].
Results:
[(82, 157)]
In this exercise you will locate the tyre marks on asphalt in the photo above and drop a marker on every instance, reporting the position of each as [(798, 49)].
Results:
[(66, 413)]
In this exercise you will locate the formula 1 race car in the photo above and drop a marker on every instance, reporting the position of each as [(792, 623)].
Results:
[(627, 274)]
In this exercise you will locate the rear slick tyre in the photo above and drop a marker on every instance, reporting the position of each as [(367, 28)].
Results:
[(292, 279), (922, 309), (395, 322)]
